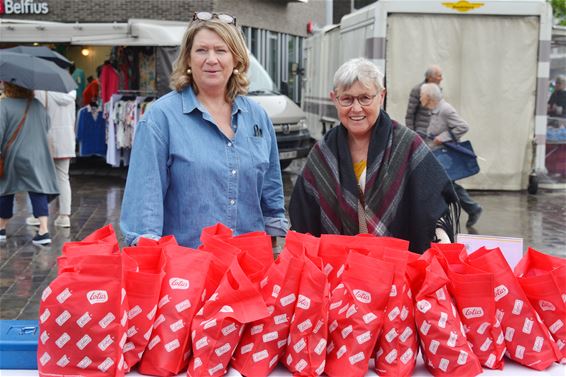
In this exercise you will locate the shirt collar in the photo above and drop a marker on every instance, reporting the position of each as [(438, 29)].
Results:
[(190, 102)]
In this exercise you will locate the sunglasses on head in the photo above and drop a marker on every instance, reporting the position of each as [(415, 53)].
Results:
[(207, 16)]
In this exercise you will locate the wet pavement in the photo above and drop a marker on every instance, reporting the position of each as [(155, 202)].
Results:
[(25, 269)]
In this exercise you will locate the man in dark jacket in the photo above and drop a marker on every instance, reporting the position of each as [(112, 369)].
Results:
[(418, 117), (557, 101)]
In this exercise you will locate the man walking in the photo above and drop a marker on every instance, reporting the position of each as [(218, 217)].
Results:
[(447, 125), (418, 117)]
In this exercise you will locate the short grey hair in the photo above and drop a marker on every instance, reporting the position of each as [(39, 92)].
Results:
[(560, 80), (358, 69), (432, 91), (430, 71)]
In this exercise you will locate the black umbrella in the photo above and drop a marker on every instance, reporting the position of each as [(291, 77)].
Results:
[(34, 73), (43, 53)]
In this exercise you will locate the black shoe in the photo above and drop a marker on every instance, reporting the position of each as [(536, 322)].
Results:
[(2, 234), (43, 239), (474, 217)]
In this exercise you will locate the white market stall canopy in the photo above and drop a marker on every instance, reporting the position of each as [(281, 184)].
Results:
[(135, 32)]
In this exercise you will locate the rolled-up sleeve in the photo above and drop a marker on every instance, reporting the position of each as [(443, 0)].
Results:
[(142, 206)]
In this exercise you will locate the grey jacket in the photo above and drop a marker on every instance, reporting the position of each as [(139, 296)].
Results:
[(417, 117), (28, 165), (446, 124)]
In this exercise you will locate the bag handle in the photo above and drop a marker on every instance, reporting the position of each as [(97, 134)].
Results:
[(15, 134)]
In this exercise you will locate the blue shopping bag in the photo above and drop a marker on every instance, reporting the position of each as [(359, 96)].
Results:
[(458, 159)]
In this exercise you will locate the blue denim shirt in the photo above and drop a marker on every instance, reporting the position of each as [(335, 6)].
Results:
[(185, 174)]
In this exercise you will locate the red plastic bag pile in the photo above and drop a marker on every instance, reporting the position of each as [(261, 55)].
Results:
[(326, 306)]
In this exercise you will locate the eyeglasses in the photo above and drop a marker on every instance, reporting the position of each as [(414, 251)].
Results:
[(207, 16), (363, 100)]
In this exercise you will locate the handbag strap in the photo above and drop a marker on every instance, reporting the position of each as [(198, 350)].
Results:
[(17, 131)]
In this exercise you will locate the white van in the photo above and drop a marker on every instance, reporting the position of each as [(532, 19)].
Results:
[(289, 120)]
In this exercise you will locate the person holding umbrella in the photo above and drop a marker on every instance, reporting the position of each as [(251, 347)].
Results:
[(28, 166), (61, 137)]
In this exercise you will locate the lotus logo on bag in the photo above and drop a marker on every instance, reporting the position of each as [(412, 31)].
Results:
[(178, 283), (362, 296), (472, 312), (546, 306), (304, 302), (423, 306), (500, 292), (97, 297)]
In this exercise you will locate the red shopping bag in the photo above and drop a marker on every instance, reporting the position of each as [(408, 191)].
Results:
[(306, 344), (143, 286), (256, 244), (163, 241), (180, 297), (397, 356), (80, 248), (105, 234), (472, 290), (443, 341), (222, 254), (356, 316), (543, 279), (263, 342), (100, 242), (297, 242), (527, 338), (334, 248), (82, 319), (214, 231), (218, 326)]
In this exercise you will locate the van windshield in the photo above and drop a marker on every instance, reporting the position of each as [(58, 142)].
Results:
[(260, 81)]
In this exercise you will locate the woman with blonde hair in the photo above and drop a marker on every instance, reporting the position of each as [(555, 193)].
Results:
[(28, 166), (204, 153)]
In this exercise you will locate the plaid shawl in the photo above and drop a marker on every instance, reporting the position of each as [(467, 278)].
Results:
[(407, 192)]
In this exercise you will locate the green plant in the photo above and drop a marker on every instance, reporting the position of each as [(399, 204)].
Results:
[(559, 11)]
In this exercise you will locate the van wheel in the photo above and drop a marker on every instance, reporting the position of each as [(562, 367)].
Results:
[(285, 163)]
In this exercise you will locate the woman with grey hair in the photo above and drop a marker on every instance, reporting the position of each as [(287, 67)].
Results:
[(371, 174)]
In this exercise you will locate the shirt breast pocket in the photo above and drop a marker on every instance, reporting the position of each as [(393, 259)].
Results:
[(259, 152)]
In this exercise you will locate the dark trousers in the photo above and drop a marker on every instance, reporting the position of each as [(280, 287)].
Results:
[(38, 204), (466, 201)]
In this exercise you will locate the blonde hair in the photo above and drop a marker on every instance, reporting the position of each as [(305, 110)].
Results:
[(238, 83), (16, 91)]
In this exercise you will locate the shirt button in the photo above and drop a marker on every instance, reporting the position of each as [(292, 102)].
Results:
[(233, 172), (232, 201), (229, 144)]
